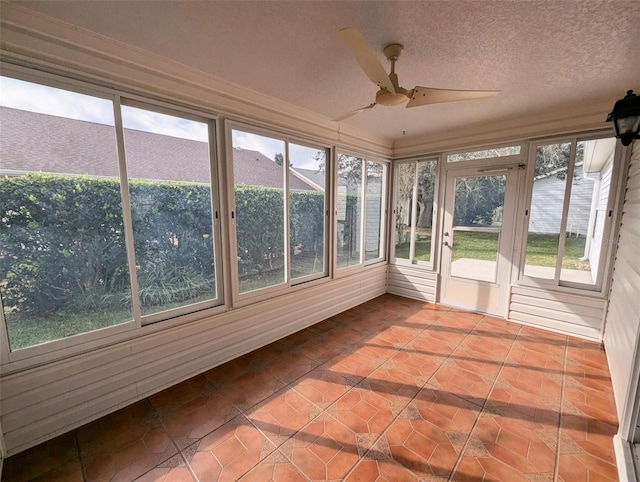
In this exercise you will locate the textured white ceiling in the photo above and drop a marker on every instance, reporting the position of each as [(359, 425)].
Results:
[(543, 55)]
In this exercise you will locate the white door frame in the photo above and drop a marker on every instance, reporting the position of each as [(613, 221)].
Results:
[(476, 295)]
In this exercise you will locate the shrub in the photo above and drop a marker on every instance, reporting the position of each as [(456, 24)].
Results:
[(62, 241)]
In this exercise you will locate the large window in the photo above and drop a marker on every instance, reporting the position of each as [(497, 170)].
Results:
[(361, 188), (569, 212), (101, 225), (413, 213), (169, 181), (280, 211)]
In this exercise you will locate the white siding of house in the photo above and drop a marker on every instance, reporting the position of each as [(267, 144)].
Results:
[(622, 327), (45, 401), (595, 243), (557, 311), (372, 229), (411, 282), (547, 200)]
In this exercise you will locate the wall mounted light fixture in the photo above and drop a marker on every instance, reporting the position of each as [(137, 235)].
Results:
[(626, 118)]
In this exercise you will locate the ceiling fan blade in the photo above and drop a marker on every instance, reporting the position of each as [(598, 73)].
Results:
[(354, 112), (427, 95), (366, 58)]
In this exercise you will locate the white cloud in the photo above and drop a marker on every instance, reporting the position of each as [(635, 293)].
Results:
[(18, 94), (144, 120), (253, 142), (28, 96), (299, 156)]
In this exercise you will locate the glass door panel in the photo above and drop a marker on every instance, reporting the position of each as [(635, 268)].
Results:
[(477, 223)]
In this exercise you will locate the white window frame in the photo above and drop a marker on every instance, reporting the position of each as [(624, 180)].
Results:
[(289, 285), (594, 289), (347, 270), (215, 208), (519, 155), (138, 325), (427, 265)]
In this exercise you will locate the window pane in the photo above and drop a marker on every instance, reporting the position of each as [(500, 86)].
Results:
[(477, 223), (170, 187), (307, 207), (373, 234), (258, 173), (545, 216), (587, 210), (424, 219), (349, 202), (405, 178), (484, 154), (63, 261)]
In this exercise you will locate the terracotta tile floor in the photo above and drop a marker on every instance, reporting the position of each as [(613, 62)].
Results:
[(393, 390)]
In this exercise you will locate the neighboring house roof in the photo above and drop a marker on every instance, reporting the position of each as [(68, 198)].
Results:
[(69, 146), (313, 175), (253, 167)]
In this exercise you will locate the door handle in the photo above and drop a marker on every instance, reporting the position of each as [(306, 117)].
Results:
[(446, 243)]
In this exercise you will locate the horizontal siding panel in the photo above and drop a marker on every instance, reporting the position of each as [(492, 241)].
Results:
[(416, 295), (412, 286), (559, 306), (43, 402), (415, 271), (564, 298), (33, 434), (563, 316), (556, 326), (412, 282), (557, 311)]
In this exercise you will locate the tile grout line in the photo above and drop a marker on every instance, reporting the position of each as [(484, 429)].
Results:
[(482, 409), (77, 444), (382, 434), (556, 465), (289, 385), (324, 410), (398, 350)]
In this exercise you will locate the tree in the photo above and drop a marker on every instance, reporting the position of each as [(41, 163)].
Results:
[(553, 159), (478, 200), (426, 187)]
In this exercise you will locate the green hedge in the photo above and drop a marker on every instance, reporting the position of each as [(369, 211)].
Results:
[(62, 239)]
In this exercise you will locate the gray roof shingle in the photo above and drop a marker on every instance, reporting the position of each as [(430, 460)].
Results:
[(31, 141)]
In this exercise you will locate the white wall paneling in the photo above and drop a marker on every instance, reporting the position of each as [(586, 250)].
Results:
[(411, 282), (622, 326), (557, 311)]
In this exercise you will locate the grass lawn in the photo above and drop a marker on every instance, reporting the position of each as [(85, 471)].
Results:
[(541, 249), (423, 250), (29, 329)]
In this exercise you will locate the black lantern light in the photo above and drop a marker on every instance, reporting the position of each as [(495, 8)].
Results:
[(626, 118)]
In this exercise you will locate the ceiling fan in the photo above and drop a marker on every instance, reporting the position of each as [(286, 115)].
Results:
[(390, 92)]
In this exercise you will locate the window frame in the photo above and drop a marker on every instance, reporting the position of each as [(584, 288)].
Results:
[(215, 209), (239, 299), (384, 211), (427, 265), (557, 284), (138, 325)]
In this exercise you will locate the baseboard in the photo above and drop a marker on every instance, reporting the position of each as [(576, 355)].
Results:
[(624, 460)]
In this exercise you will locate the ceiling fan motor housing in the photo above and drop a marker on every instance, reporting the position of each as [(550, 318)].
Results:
[(384, 97)]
